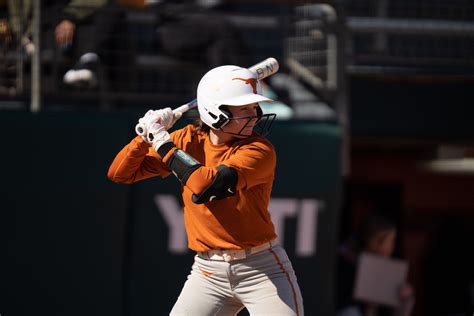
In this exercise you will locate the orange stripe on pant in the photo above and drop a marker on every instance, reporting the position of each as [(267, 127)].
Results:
[(289, 280)]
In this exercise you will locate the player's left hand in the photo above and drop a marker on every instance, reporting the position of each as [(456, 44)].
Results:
[(164, 116)]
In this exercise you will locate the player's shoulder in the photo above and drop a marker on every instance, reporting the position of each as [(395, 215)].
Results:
[(184, 132), (258, 143), (188, 134)]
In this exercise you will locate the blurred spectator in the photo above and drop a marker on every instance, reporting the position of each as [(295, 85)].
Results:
[(5, 31), (376, 235), (81, 38), (7, 43), (19, 22), (193, 30), (78, 29), (84, 33)]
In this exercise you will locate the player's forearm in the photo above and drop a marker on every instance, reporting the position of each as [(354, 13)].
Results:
[(132, 163), (206, 183), (188, 171)]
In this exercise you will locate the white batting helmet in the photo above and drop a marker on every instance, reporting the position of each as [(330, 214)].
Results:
[(226, 85)]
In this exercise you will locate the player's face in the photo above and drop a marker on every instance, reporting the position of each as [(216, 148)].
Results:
[(243, 120)]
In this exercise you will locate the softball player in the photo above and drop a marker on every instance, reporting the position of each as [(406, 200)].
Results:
[(226, 168)]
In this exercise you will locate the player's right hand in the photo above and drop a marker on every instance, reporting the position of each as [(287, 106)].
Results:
[(157, 135)]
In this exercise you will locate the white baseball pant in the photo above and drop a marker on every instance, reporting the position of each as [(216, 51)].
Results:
[(264, 283)]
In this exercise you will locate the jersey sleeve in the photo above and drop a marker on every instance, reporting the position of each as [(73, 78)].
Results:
[(254, 162), (135, 162)]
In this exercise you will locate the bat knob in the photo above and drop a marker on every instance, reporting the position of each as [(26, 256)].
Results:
[(139, 129)]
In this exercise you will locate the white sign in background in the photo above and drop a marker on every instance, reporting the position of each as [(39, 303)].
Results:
[(304, 210)]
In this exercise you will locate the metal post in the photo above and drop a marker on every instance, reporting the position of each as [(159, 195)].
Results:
[(341, 98), (323, 21), (35, 61), (331, 17)]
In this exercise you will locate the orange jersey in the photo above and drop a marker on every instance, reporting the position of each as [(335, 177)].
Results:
[(236, 222)]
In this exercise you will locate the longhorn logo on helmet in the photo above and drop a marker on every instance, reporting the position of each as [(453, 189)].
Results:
[(250, 81)]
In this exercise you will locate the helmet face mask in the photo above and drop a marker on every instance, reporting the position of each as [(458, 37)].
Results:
[(261, 126), (224, 87)]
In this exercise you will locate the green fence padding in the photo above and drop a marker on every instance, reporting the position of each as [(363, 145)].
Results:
[(78, 244)]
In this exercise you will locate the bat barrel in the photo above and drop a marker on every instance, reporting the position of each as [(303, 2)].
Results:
[(265, 68), (186, 107)]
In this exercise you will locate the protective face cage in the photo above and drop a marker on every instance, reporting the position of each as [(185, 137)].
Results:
[(262, 126)]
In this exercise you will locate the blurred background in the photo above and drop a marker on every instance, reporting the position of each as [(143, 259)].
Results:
[(374, 104)]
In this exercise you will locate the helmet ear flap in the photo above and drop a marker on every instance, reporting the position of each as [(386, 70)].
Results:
[(259, 112), (226, 111), (224, 117)]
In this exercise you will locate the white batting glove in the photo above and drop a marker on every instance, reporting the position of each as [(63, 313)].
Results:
[(165, 117), (141, 127), (157, 136)]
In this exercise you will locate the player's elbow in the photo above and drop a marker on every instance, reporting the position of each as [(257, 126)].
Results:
[(223, 185), (114, 177)]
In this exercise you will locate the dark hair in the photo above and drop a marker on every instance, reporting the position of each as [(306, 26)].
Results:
[(200, 126), (373, 225)]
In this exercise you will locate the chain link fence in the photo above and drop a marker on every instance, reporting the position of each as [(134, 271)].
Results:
[(317, 43), (149, 55), (411, 37)]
